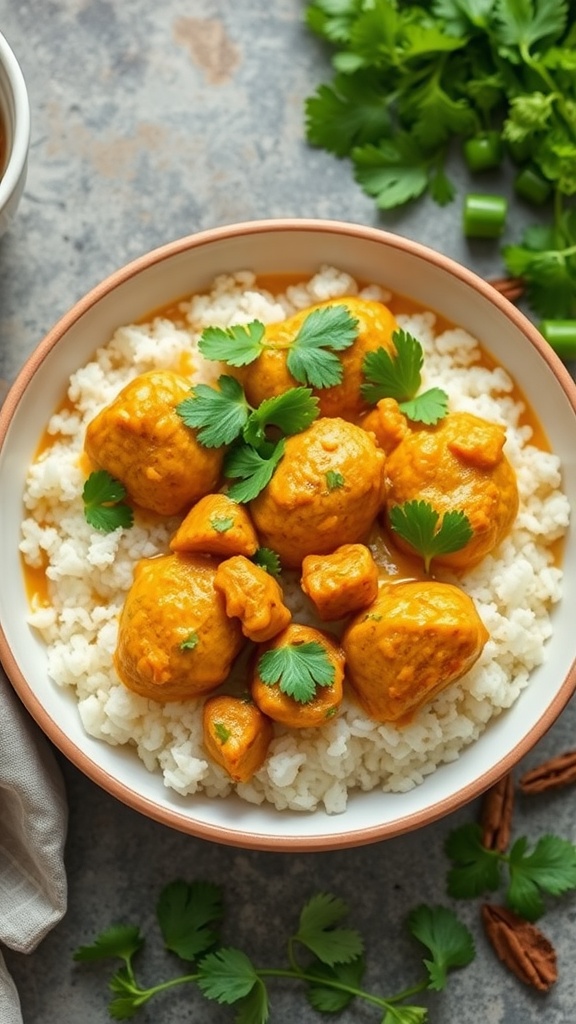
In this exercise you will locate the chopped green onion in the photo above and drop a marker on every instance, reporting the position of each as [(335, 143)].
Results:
[(530, 185), (561, 336), (483, 152), (484, 215)]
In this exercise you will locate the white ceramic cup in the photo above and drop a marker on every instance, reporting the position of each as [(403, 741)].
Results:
[(15, 118)]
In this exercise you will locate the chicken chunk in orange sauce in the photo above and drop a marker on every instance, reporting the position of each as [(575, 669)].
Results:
[(459, 464), (325, 492), (268, 375), (236, 735), (175, 639), (140, 440), (216, 525), (340, 583), (252, 595), (280, 706), (413, 640)]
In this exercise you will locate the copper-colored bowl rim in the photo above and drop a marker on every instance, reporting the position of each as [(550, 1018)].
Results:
[(170, 816)]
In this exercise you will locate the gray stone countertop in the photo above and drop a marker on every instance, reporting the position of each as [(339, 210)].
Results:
[(151, 121)]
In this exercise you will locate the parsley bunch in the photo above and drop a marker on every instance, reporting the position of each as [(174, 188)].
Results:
[(331, 968), (498, 77)]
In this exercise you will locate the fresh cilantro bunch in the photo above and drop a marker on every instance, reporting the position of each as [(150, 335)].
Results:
[(547, 869), (399, 376), (325, 956), (495, 77)]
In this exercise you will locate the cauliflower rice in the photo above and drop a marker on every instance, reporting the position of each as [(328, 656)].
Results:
[(89, 573)]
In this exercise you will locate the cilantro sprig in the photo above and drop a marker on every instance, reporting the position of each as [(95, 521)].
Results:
[(310, 357), (104, 505), (549, 868), (399, 376), (298, 669), (331, 968), (412, 79), (223, 416), (417, 523)]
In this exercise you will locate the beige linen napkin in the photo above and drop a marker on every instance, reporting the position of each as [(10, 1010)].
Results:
[(33, 819)]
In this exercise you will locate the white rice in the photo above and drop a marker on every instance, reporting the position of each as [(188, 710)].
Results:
[(89, 574)]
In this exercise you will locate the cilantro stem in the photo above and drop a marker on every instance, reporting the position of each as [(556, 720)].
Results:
[(384, 1002)]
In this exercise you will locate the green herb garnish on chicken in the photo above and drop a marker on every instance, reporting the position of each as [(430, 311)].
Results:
[(416, 522), (223, 416), (298, 669), (399, 376), (268, 560), (104, 505), (311, 356)]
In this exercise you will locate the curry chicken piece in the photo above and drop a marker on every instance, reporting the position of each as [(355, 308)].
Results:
[(415, 639), (236, 735), (458, 465), (283, 708), (140, 439), (216, 525), (326, 491), (175, 640), (268, 375), (340, 583), (252, 595)]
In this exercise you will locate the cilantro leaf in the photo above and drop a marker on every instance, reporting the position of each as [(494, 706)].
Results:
[(332, 1000), (119, 940), (448, 940), (292, 411), (298, 669), (227, 975), (221, 524), (394, 171), (104, 508), (475, 869), (311, 358), (350, 112), (392, 375), (268, 560), (190, 642), (429, 407), (549, 868), (253, 1008), (523, 23), (398, 376), (237, 345), (318, 932), (416, 522), (187, 915), (218, 414), (255, 471), (334, 480)]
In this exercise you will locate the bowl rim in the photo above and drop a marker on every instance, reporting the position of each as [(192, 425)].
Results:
[(18, 140), (172, 816)]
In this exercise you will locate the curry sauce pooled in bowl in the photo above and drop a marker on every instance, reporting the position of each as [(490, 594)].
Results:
[(294, 542)]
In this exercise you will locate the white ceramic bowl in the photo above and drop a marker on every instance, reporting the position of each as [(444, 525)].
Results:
[(179, 269), (15, 126)]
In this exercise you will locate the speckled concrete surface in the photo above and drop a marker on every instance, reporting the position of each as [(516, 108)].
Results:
[(151, 121)]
